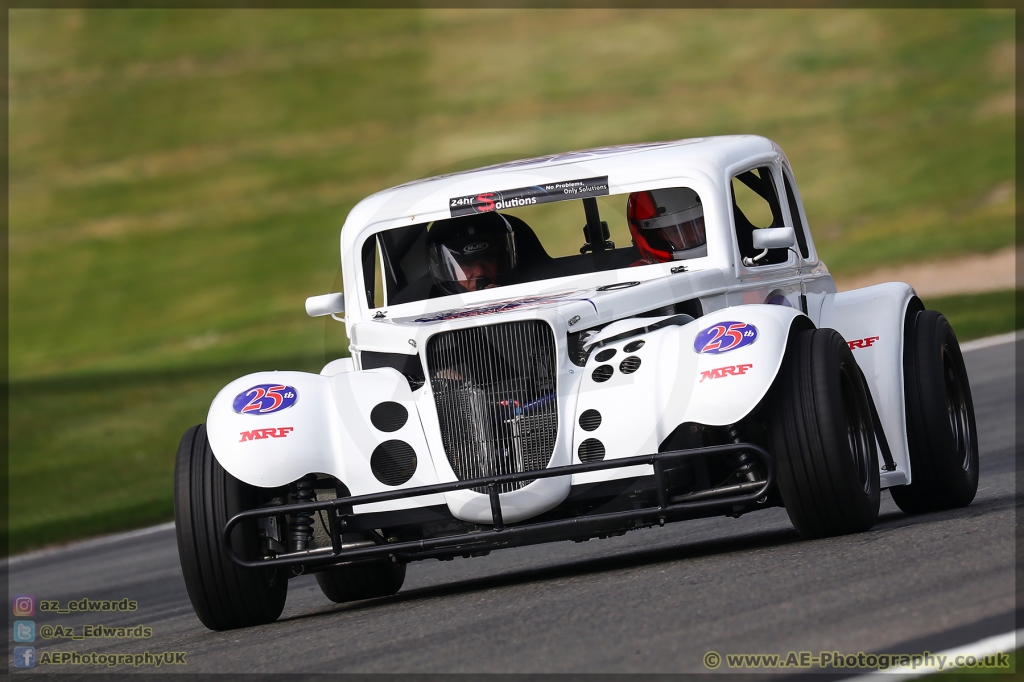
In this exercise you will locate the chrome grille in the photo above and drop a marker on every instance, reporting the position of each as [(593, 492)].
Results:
[(494, 388)]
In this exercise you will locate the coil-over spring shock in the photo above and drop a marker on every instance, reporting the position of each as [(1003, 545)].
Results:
[(745, 466), (301, 525)]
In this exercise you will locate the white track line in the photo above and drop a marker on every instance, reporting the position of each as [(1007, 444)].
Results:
[(88, 544), (1004, 643), (990, 341)]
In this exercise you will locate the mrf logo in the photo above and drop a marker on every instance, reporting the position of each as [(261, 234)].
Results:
[(862, 343), (724, 337), (720, 372), (264, 399), (260, 434)]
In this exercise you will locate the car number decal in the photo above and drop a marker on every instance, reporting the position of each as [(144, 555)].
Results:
[(485, 202), (724, 337), (265, 399)]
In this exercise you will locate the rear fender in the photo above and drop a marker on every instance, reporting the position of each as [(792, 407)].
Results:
[(871, 320), (675, 383), (326, 429)]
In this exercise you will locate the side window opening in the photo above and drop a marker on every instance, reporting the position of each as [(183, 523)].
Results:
[(405, 258), (373, 276), (755, 204), (794, 211)]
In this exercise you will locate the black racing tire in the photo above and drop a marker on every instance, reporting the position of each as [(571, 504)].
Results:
[(822, 436), (224, 595), (941, 430), (362, 581)]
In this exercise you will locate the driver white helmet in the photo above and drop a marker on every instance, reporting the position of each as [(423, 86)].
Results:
[(667, 224)]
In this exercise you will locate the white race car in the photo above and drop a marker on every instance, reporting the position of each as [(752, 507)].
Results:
[(502, 393)]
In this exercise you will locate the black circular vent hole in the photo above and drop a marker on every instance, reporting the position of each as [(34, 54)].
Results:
[(605, 355), (389, 416), (629, 365), (590, 420), (603, 373), (393, 462), (633, 346), (591, 450)]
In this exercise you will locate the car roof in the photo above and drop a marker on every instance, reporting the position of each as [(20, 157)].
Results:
[(428, 199)]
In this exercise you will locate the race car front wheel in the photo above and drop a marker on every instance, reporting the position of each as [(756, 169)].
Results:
[(823, 437), (941, 429), (362, 581), (224, 595)]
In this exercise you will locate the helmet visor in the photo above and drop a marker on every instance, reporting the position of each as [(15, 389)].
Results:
[(680, 236), (471, 253), (473, 266), (667, 224)]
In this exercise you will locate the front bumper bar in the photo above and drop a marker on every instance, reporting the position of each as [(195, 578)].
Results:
[(502, 536)]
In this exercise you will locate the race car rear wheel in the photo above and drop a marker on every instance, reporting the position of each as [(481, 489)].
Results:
[(362, 581), (224, 595), (823, 437), (941, 430)]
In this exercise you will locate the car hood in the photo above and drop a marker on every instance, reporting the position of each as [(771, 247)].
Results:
[(569, 310), (535, 302)]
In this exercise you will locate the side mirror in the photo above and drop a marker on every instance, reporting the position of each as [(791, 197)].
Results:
[(774, 238), (326, 304)]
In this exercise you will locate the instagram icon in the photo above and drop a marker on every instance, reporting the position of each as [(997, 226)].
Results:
[(24, 605)]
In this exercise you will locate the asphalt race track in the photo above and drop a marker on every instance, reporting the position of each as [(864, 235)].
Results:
[(654, 600)]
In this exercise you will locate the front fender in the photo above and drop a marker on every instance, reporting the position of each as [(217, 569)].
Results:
[(675, 383), (872, 320), (327, 429)]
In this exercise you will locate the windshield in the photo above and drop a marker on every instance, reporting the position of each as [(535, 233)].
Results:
[(500, 239)]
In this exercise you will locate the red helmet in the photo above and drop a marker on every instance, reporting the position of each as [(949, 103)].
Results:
[(667, 224)]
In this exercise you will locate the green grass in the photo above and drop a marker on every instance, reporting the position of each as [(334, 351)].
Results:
[(974, 316), (178, 178), (102, 448)]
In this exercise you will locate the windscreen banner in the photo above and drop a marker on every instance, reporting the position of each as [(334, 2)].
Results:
[(527, 196)]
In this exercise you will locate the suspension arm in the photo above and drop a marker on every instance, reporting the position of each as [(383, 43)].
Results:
[(501, 535)]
